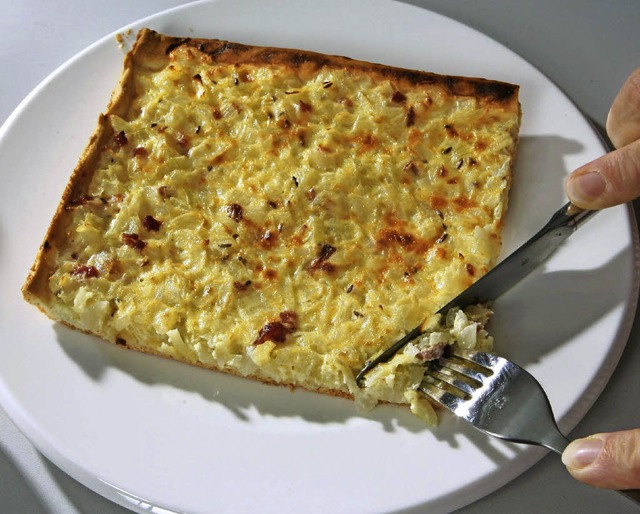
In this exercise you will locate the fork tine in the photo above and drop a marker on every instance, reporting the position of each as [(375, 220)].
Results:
[(483, 359), (466, 368), (455, 379), (434, 389)]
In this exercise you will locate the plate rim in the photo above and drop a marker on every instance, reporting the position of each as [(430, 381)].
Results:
[(24, 104)]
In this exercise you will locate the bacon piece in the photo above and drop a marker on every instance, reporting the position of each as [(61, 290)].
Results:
[(242, 286), (290, 320), (305, 107), (277, 331), (120, 138), (432, 353), (133, 241), (411, 117), (81, 270), (184, 141), (150, 223), (411, 166), (81, 200), (320, 262)]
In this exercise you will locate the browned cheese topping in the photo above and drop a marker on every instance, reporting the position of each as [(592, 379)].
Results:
[(281, 215)]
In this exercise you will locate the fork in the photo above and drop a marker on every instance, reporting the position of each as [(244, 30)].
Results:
[(497, 397)]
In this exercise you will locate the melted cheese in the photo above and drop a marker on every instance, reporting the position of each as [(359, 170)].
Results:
[(231, 194)]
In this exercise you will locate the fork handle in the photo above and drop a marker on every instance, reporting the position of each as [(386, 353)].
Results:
[(632, 494), (558, 443), (555, 441)]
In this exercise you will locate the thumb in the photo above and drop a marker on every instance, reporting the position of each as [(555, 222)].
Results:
[(611, 461), (610, 180)]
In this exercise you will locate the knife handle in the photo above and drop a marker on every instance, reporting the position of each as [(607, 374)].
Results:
[(572, 209), (569, 215)]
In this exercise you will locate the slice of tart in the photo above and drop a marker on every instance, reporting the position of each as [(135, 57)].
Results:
[(278, 214)]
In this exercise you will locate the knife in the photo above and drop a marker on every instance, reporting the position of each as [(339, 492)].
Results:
[(505, 275)]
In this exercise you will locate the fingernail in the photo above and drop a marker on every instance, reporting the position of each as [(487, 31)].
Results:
[(586, 186), (582, 452)]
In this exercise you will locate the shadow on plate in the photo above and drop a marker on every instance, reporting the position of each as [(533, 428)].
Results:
[(241, 396), (249, 400), (537, 190), (547, 309)]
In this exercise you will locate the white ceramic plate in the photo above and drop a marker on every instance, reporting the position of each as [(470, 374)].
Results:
[(159, 436)]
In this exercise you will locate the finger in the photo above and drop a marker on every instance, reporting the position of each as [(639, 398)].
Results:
[(612, 179), (611, 461), (623, 122)]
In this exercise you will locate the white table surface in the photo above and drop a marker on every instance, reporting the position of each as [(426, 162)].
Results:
[(586, 47)]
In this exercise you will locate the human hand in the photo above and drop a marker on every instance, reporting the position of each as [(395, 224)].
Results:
[(610, 460), (613, 178)]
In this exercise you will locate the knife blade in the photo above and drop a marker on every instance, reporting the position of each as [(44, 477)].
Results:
[(564, 222)]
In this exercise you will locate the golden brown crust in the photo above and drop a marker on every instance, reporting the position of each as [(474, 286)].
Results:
[(35, 283), (307, 62)]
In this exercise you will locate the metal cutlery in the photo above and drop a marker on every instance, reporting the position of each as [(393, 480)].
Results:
[(498, 398)]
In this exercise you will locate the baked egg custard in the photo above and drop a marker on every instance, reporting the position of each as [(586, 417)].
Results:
[(281, 214)]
